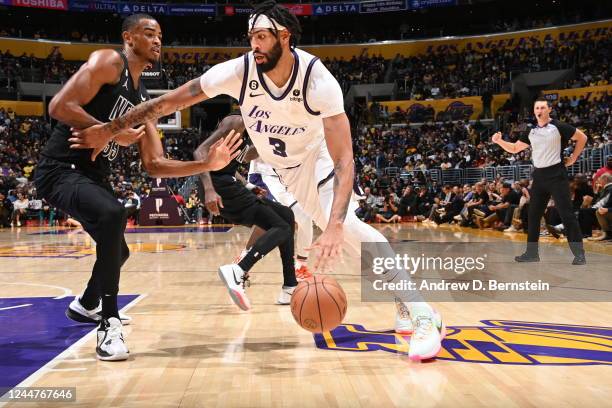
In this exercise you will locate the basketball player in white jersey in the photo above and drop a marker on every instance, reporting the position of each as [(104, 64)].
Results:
[(293, 110)]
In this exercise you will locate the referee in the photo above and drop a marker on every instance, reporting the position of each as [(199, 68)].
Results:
[(548, 140)]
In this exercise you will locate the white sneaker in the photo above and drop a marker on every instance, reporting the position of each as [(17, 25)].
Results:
[(458, 218), (78, 313), (284, 297), (511, 228), (403, 322), (426, 339), (235, 280), (19, 223), (111, 346)]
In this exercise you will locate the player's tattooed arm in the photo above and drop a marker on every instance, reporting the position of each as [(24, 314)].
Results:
[(178, 99)]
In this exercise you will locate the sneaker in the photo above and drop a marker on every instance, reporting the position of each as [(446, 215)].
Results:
[(458, 218), (302, 273), (235, 280), (426, 339), (511, 229), (403, 322), (19, 223), (579, 260), (527, 258), (284, 297), (78, 313), (552, 230), (602, 237), (111, 346)]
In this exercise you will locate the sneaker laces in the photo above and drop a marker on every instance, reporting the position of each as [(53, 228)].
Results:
[(422, 327), (246, 283), (402, 310), (114, 333)]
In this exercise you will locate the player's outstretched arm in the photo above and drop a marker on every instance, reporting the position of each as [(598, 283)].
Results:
[(515, 147), (340, 146), (178, 99), (222, 152), (212, 200)]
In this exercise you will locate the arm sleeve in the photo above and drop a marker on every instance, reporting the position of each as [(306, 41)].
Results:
[(566, 131), (525, 138), (324, 93), (224, 79)]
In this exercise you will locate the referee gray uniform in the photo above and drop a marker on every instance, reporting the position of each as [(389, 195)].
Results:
[(550, 179)]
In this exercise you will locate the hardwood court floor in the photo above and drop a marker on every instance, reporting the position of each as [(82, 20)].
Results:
[(192, 348)]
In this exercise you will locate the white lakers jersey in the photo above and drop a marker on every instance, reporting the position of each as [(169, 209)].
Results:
[(285, 124)]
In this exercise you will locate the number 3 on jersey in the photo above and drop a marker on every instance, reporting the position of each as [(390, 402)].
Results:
[(279, 147)]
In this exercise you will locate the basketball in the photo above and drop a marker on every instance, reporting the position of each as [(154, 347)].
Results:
[(318, 304)]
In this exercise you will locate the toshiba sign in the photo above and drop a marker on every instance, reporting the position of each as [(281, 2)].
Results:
[(46, 4)]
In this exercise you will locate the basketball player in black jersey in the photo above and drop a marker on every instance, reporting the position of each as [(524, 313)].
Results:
[(242, 206), (76, 180)]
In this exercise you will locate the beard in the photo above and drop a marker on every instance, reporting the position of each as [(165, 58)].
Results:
[(272, 58)]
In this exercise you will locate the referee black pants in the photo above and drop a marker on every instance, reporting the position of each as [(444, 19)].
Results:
[(94, 205), (547, 182)]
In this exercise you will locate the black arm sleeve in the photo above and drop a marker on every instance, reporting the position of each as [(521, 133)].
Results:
[(566, 131)]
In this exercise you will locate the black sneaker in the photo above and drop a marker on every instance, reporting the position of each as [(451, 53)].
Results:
[(579, 260), (527, 258), (553, 231)]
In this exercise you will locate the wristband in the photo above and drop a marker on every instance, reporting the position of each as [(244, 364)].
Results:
[(250, 186)]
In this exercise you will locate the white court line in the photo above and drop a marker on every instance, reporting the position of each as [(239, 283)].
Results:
[(68, 369), (15, 307), (49, 366), (66, 291)]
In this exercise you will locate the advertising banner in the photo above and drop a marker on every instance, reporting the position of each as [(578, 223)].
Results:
[(44, 4), (192, 10), (380, 6), (100, 6), (589, 93), (326, 9), (422, 4), (147, 8)]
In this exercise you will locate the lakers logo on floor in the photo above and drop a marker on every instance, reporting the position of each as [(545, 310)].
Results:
[(497, 342)]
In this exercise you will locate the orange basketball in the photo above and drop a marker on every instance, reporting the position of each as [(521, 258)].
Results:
[(318, 304)]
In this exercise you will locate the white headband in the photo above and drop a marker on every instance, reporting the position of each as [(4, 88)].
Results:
[(264, 21)]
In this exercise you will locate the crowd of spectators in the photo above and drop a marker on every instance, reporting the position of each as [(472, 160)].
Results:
[(469, 73)]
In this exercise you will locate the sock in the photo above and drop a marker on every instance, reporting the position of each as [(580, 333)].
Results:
[(249, 259), (289, 278), (109, 307)]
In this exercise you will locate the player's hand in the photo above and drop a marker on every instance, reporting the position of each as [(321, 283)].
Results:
[(129, 136), (95, 137), (602, 210), (496, 137), (327, 247), (223, 151), (260, 192), (569, 161), (212, 201)]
